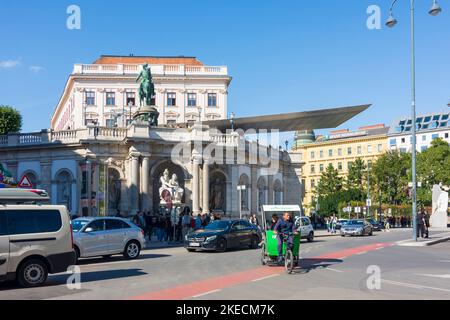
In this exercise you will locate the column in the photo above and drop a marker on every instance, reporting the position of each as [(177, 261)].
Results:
[(134, 189), (195, 186), (145, 183), (206, 187)]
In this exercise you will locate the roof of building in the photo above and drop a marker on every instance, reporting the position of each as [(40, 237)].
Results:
[(112, 59), (425, 122), (286, 122)]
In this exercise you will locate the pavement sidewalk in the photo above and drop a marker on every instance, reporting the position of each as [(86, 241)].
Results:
[(436, 236)]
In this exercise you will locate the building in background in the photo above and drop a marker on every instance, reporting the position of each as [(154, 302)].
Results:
[(429, 127), (340, 148), (105, 93)]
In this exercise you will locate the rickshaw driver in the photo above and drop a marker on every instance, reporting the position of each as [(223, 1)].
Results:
[(283, 226)]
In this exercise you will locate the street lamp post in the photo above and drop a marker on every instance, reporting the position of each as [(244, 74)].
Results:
[(391, 22)]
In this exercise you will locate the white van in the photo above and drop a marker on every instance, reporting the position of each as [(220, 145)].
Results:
[(35, 239)]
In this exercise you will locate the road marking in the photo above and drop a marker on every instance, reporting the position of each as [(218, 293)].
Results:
[(444, 261), (206, 293), (335, 270), (268, 277), (442, 276), (364, 252), (414, 286), (342, 258)]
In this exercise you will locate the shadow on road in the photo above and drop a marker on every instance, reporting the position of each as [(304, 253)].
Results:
[(88, 276), (308, 264), (95, 260)]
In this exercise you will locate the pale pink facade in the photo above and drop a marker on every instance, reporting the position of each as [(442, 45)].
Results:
[(106, 92)]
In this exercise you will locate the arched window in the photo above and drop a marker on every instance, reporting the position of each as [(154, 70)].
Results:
[(64, 189), (245, 181), (277, 193)]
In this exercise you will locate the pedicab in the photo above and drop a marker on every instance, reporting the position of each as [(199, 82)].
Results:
[(269, 247)]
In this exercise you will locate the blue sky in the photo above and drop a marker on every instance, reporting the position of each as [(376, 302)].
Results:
[(284, 56)]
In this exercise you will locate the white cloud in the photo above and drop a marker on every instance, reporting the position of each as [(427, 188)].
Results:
[(9, 64), (36, 69)]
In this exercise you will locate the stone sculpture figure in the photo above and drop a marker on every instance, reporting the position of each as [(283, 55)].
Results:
[(177, 191), (170, 188), (146, 88), (216, 202)]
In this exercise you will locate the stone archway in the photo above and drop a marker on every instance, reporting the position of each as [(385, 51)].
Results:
[(156, 172), (64, 180), (262, 192), (244, 180)]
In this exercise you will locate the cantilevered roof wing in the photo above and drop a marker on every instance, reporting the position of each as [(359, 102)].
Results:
[(306, 120)]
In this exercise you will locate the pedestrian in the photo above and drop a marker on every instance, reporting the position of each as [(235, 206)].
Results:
[(179, 227), (327, 222), (186, 222), (198, 222), (168, 229), (139, 220), (273, 222), (426, 218), (420, 225), (333, 224), (149, 225)]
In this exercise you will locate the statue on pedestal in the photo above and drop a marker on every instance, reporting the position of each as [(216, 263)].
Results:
[(170, 190), (146, 113), (440, 207)]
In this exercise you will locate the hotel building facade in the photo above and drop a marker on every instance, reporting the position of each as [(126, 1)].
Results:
[(340, 148)]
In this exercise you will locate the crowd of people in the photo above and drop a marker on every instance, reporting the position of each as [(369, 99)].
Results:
[(160, 227)]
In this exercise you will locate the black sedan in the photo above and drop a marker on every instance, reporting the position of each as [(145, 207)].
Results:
[(221, 235), (377, 226)]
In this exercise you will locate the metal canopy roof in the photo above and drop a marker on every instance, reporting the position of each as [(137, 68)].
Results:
[(306, 120)]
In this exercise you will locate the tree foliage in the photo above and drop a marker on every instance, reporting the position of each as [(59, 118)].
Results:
[(10, 120)]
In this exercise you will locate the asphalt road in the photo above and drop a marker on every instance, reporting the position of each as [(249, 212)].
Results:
[(331, 268)]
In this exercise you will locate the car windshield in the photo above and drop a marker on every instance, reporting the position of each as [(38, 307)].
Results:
[(217, 225), (77, 225), (355, 223)]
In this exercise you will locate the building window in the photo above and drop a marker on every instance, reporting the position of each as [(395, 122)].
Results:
[(171, 121), (131, 99), (403, 140), (313, 169), (190, 123), (330, 153), (321, 153), (424, 137), (435, 136), (403, 150), (171, 99), (359, 150), (340, 166), (110, 99), (212, 100), (424, 148), (192, 100), (313, 183), (90, 98), (339, 152), (313, 155), (369, 164), (110, 123), (393, 142), (349, 151), (380, 148), (369, 148), (446, 136), (321, 168)]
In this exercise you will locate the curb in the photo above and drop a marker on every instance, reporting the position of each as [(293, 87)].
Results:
[(410, 243)]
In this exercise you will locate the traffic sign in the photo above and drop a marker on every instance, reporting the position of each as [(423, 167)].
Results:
[(25, 183), (369, 202)]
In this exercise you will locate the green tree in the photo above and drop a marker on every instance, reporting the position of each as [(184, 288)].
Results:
[(10, 120), (328, 191), (356, 179)]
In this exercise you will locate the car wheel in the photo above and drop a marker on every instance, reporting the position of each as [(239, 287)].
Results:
[(32, 273), (132, 250), (77, 254), (254, 242), (311, 237), (221, 245)]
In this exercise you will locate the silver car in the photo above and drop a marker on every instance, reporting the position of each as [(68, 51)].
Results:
[(105, 236), (356, 228)]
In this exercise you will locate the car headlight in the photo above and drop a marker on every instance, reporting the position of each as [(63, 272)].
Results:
[(212, 238), (186, 237)]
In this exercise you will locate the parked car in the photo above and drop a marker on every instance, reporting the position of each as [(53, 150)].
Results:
[(340, 223), (377, 226), (221, 235), (35, 239), (356, 228), (106, 236), (304, 226)]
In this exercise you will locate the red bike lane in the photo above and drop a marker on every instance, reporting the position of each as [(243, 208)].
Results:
[(190, 290)]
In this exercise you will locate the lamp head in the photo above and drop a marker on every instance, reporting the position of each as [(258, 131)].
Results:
[(391, 21), (435, 9)]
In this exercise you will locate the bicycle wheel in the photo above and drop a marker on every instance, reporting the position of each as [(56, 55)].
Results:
[(263, 254), (289, 261)]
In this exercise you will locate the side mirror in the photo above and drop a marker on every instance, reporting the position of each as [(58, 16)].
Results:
[(87, 230)]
